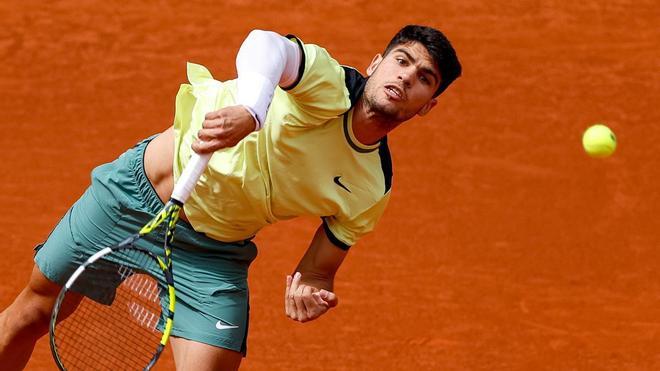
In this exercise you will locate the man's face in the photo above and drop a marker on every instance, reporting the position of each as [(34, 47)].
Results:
[(402, 83)]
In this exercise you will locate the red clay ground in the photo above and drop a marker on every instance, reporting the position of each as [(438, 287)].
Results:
[(504, 246)]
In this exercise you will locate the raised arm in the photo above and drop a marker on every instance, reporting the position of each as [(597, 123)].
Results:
[(265, 60), (309, 292)]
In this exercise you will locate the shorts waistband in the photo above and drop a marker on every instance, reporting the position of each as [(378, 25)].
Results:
[(144, 186)]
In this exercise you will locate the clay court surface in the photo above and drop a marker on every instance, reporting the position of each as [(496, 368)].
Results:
[(504, 246)]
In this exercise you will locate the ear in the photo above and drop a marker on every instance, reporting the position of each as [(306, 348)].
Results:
[(427, 107), (374, 63)]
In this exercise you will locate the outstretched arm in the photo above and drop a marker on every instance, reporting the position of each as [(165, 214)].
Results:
[(309, 291)]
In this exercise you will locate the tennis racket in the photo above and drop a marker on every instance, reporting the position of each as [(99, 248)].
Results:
[(112, 314)]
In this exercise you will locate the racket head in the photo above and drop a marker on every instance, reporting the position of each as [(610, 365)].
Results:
[(115, 312)]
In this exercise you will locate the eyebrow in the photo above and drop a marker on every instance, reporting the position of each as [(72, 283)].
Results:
[(424, 69)]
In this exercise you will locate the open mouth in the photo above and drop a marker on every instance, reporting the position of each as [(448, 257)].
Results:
[(394, 92)]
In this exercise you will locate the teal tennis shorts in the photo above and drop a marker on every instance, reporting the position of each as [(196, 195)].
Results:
[(210, 276)]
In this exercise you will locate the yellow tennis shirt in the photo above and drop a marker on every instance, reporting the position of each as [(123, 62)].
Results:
[(305, 161)]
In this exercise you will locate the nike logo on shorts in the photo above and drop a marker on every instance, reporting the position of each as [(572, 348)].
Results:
[(222, 325)]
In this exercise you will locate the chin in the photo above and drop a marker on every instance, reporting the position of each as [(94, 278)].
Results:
[(384, 108), (392, 112)]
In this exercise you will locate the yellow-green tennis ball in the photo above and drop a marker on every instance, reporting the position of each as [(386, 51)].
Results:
[(599, 141)]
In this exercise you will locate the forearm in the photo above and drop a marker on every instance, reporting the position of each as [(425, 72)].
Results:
[(309, 292), (321, 262)]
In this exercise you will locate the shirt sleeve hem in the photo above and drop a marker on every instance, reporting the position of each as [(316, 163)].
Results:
[(301, 67), (331, 236)]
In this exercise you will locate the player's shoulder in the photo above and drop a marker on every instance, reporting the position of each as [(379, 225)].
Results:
[(355, 83), (315, 57)]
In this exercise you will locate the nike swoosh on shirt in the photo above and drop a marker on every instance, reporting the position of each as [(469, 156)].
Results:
[(336, 179), (221, 326)]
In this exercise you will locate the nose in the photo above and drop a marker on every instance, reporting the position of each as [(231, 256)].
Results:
[(405, 75)]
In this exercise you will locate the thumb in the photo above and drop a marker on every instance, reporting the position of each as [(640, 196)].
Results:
[(329, 297)]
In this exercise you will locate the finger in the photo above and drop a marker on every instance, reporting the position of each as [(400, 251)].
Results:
[(293, 313), (208, 145), (319, 306), (301, 311), (311, 307), (287, 305), (295, 281), (202, 146), (211, 133), (215, 122), (213, 115), (318, 299), (330, 298)]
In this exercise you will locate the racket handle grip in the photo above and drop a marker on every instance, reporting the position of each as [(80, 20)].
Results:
[(188, 179)]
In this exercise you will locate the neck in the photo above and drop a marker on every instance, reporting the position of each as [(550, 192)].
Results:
[(369, 126)]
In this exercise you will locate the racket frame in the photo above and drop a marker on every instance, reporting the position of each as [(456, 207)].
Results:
[(170, 213)]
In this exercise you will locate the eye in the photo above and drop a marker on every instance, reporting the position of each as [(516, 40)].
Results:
[(401, 61), (424, 79)]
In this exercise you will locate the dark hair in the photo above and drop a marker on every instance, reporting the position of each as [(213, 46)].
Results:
[(437, 45)]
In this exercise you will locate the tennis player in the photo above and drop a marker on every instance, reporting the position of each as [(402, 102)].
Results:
[(295, 134)]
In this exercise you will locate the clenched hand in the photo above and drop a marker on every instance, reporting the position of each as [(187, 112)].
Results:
[(303, 302)]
